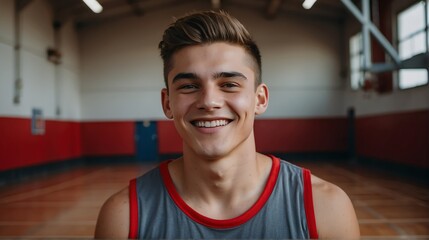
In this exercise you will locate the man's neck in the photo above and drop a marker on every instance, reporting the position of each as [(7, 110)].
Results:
[(221, 188)]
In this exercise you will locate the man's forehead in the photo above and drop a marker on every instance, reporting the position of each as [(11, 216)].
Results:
[(226, 56), (216, 49)]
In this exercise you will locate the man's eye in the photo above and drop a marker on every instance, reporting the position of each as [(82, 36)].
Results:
[(229, 85), (188, 87)]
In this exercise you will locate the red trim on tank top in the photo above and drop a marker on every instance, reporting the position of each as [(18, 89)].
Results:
[(308, 204), (227, 223), (134, 208)]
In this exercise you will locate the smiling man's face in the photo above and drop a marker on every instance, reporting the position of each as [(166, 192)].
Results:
[(212, 98)]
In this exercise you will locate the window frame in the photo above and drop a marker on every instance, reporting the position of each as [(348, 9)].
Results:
[(410, 36)]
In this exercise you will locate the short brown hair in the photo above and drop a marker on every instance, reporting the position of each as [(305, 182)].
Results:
[(207, 27)]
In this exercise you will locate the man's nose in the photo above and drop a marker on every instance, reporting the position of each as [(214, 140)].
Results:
[(209, 99)]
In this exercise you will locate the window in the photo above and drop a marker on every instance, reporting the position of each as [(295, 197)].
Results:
[(413, 39), (356, 61)]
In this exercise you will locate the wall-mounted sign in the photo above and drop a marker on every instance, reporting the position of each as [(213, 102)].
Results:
[(37, 122)]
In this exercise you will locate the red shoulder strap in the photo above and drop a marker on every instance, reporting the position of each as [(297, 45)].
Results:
[(308, 203), (134, 208)]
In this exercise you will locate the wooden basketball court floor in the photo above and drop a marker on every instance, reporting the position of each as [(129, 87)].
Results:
[(66, 204)]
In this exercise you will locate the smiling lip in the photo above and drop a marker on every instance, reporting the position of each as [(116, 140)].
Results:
[(211, 123)]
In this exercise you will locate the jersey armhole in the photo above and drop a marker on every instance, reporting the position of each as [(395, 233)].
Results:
[(308, 204), (133, 210)]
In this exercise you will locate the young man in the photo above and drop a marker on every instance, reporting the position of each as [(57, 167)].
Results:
[(221, 187)]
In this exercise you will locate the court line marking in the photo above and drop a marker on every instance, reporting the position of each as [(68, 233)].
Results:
[(48, 237), (399, 220), (396, 237), (50, 223), (60, 186), (82, 203), (380, 216), (369, 185)]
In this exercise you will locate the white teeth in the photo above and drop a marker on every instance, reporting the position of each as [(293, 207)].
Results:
[(211, 124)]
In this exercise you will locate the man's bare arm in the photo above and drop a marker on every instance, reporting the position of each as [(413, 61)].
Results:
[(335, 215), (114, 217)]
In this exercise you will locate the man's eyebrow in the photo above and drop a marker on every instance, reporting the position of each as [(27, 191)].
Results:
[(229, 75), (193, 76), (184, 76)]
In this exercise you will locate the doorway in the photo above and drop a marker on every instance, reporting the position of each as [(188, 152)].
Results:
[(146, 138)]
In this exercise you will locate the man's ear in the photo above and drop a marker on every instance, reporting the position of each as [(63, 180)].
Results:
[(262, 98), (165, 100)]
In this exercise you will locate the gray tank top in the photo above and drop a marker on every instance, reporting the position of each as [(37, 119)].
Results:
[(284, 209)]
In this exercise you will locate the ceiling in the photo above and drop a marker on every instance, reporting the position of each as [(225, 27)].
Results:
[(113, 9)]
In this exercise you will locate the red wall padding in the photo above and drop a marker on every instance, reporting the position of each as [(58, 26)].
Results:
[(19, 148), (108, 138), (399, 137), (301, 135), (169, 139), (63, 140)]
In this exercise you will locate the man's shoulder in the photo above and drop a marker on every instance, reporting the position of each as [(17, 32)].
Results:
[(326, 189), (334, 210), (328, 195), (113, 220), (119, 198), (117, 203)]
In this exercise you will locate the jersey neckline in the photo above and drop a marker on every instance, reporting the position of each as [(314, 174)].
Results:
[(227, 223)]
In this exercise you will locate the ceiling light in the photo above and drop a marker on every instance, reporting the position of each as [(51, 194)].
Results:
[(308, 4), (93, 5)]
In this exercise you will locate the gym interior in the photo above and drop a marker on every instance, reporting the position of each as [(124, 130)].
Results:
[(81, 114)]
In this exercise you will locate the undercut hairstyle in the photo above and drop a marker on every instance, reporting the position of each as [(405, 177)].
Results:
[(204, 28)]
